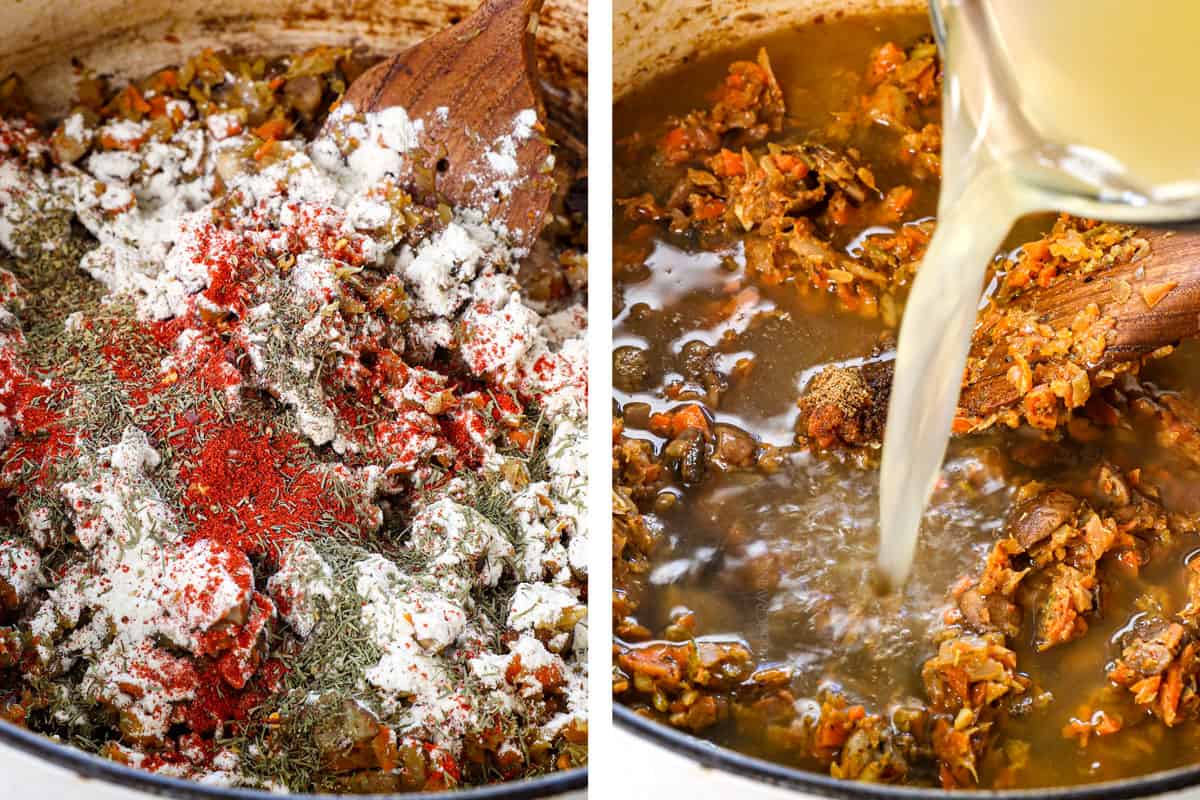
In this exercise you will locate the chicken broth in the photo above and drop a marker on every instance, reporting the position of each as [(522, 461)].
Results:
[(763, 249)]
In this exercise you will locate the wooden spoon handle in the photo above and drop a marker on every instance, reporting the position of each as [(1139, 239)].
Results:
[(494, 43), (1153, 301), (1174, 265), (468, 85)]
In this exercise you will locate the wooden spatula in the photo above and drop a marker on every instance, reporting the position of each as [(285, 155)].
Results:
[(1131, 293), (467, 85)]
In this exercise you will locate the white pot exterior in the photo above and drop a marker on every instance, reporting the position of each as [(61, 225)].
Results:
[(27, 778)]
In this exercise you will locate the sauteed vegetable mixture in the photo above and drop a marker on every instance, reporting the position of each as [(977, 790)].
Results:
[(291, 463), (773, 206)]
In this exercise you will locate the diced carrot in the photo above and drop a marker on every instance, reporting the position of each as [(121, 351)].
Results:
[(158, 106), (1145, 690), (1037, 251), (657, 661), (274, 128), (957, 679), (1046, 275), (265, 149), (729, 163), (840, 210), (689, 417), (962, 425), (851, 300), (1078, 730), (277, 83), (831, 735), (1018, 278), (899, 200), (136, 101), (885, 59), (521, 438), (386, 753), (855, 713), (675, 145), (735, 91), (791, 165), (1172, 690), (660, 424), (709, 209)]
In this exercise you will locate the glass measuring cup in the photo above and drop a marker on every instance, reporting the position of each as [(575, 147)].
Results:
[(1022, 133), (1019, 90)]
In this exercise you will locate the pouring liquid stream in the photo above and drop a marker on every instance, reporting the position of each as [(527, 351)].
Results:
[(1046, 106)]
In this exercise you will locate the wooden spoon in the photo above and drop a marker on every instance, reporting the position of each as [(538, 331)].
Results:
[(467, 84), (1125, 292)]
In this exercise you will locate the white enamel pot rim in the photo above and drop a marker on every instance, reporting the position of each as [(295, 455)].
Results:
[(135, 37), (651, 38)]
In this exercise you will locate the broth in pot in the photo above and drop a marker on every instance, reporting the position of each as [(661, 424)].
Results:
[(773, 204)]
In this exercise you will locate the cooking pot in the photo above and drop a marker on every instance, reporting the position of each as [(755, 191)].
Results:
[(652, 38), (136, 37)]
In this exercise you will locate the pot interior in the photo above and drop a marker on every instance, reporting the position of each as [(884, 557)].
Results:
[(137, 37), (654, 37)]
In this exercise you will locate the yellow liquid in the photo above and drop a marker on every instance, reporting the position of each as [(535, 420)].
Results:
[(1113, 76), (1086, 106)]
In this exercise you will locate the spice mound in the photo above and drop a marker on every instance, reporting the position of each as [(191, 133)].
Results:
[(291, 462)]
